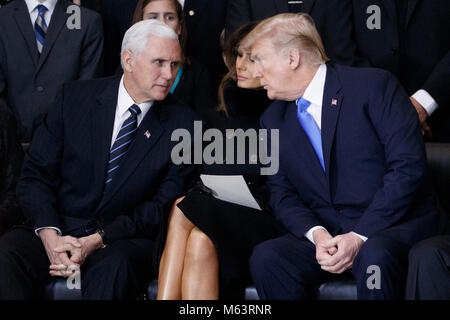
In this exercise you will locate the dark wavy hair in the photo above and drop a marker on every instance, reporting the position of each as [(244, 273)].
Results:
[(139, 16), (230, 53)]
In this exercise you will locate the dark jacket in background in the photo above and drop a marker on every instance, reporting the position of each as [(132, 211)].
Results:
[(330, 16), (205, 20), (29, 80), (11, 157), (415, 48)]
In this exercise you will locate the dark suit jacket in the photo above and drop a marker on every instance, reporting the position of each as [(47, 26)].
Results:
[(374, 159), (29, 81), (63, 178), (420, 59), (330, 16), (204, 27), (11, 158)]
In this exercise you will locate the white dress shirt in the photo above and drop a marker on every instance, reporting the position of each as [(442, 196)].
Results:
[(181, 2), (32, 9), (426, 100), (124, 102), (314, 94)]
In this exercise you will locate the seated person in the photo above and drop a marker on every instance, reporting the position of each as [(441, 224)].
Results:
[(11, 157), (193, 84), (98, 177), (352, 165), (209, 240)]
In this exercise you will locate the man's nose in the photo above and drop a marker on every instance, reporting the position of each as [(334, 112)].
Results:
[(167, 72), (257, 72)]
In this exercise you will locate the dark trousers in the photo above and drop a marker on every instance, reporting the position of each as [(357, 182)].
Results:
[(286, 268), (118, 271), (429, 270)]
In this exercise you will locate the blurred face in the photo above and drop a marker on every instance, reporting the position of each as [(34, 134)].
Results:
[(244, 69), (150, 75), (164, 11), (270, 68)]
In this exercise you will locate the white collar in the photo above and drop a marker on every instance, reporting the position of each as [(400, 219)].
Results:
[(49, 4), (315, 89), (124, 102)]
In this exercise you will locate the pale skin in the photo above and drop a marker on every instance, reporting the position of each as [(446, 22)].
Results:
[(189, 266), (286, 76), (148, 76)]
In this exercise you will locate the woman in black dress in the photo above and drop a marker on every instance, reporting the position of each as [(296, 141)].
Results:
[(209, 240), (193, 84)]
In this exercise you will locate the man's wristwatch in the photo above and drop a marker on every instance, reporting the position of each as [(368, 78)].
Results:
[(101, 232)]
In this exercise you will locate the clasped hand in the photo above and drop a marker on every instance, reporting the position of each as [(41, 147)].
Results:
[(336, 254), (59, 248)]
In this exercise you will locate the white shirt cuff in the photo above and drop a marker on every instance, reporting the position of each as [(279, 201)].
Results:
[(309, 234), (54, 228), (362, 237), (426, 100)]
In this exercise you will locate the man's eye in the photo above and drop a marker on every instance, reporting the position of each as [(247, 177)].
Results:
[(158, 62)]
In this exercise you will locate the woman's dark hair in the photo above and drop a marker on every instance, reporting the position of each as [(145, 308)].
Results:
[(139, 16), (230, 53)]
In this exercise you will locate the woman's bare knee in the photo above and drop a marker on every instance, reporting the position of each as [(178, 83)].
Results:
[(200, 248)]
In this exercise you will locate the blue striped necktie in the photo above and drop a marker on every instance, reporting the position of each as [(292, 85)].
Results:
[(40, 27), (124, 138), (310, 127)]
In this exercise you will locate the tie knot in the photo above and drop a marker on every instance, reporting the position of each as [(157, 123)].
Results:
[(41, 9), (303, 104), (134, 110)]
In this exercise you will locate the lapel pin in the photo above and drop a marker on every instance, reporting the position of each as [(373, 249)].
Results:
[(147, 134), (333, 102)]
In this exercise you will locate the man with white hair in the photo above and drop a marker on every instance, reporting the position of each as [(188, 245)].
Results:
[(99, 175), (352, 163)]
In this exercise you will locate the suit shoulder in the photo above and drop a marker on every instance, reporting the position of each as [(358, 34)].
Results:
[(273, 115)]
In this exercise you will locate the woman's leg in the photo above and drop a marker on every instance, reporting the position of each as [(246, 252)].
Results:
[(172, 259), (201, 268)]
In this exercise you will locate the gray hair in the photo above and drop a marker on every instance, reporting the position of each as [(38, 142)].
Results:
[(136, 37)]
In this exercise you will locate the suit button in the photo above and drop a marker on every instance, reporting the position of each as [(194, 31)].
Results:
[(394, 51), (40, 89), (191, 12), (338, 208)]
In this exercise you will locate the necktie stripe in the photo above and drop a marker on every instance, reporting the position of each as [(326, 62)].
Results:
[(123, 141), (40, 27)]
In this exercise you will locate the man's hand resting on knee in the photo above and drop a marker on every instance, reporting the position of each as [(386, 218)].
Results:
[(347, 245)]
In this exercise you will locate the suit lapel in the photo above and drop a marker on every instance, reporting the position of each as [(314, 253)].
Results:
[(57, 22), (332, 100), (299, 139), (138, 149), (412, 4), (307, 6), (281, 5), (197, 6), (22, 17), (102, 126), (391, 9)]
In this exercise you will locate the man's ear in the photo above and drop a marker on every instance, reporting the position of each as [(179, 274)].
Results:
[(128, 61), (294, 58)]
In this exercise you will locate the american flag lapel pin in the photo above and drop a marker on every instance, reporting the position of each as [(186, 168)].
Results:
[(334, 102), (147, 134)]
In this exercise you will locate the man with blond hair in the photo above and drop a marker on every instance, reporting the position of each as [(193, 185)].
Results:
[(352, 162)]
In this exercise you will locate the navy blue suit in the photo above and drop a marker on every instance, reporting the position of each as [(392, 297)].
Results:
[(62, 186), (375, 167)]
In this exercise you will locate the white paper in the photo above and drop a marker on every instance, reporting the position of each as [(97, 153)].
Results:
[(232, 189)]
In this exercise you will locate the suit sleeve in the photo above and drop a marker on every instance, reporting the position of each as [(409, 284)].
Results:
[(3, 104), (238, 14), (396, 123), (91, 53), (40, 178), (12, 164), (287, 205), (438, 83)]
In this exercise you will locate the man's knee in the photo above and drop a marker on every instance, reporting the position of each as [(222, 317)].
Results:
[(426, 251), (375, 252), (263, 258)]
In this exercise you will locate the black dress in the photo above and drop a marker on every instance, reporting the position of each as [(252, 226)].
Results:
[(234, 229)]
